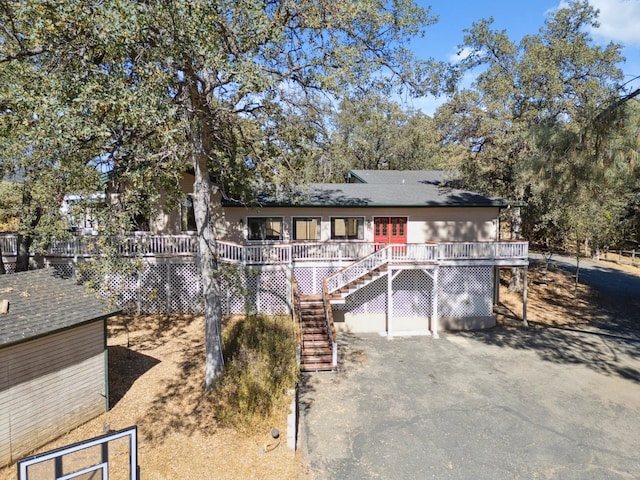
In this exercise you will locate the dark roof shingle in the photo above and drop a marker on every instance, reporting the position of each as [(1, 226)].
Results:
[(383, 188), (42, 302)]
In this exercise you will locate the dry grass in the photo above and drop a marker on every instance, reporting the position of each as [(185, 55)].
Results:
[(156, 369), (553, 298)]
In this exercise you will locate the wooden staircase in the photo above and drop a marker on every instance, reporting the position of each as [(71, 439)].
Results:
[(339, 296), (316, 354)]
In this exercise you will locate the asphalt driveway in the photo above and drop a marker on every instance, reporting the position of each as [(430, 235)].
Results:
[(504, 403)]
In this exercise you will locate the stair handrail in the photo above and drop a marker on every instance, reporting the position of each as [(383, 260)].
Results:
[(297, 319), (357, 269), (331, 330)]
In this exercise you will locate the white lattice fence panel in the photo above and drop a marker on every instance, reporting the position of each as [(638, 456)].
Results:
[(10, 267), (185, 288), (153, 289), (233, 296), (273, 295), (466, 291), (123, 289), (371, 298), (412, 294), (66, 270), (309, 279)]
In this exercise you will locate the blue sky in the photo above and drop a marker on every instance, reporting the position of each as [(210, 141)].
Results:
[(619, 22)]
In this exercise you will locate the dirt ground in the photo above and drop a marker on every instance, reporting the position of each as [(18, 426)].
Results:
[(553, 298), (155, 375), (155, 371)]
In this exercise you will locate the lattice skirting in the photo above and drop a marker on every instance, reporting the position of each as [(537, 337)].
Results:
[(466, 291), (10, 267), (463, 291), (174, 286)]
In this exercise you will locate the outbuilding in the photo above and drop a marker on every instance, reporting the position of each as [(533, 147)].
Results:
[(53, 359)]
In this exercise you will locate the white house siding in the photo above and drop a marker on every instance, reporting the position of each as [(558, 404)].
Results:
[(437, 224), (49, 386)]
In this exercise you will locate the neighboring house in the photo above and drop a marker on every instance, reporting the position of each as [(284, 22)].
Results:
[(78, 210), (53, 359)]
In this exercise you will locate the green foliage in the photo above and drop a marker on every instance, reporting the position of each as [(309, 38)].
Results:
[(260, 369), (533, 126), (225, 88), (373, 132), (9, 206)]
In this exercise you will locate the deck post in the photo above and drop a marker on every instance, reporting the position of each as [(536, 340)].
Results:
[(434, 304), (496, 285), (389, 301), (524, 298)]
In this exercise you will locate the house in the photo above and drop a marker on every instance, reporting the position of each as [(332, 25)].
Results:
[(391, 252), (434, 224), (53, 359)]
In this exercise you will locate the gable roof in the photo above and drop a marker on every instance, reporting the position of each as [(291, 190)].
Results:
[(383, 188), (42, 302)]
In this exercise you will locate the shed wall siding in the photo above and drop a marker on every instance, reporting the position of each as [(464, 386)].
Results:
[(49, 386)]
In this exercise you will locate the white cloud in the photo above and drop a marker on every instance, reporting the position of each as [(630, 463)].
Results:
[(619, 20)]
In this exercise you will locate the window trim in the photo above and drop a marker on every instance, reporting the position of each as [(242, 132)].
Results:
[(362, 221), (306, 217)]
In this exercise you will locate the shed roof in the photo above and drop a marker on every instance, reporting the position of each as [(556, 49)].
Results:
[(42, 302)]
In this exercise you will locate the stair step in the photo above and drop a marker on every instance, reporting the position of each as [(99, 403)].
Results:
[(315, 344), (315, 319), (316, 359), (319, 328), (327, 350), (307, 327), (321, 336), (318, 367)]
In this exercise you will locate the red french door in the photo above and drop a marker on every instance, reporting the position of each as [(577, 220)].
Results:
[(390, 230)]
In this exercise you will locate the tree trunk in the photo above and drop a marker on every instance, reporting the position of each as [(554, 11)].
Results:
[(214, 361), (200, 139), (3, 270), (23, 250), (24, 242), (575, 286), (515, 284)]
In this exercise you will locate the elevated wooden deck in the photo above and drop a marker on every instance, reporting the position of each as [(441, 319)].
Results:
[(502, 253)]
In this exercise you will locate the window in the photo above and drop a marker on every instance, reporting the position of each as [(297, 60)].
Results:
[(347, 228), (264, 228), (306, 228), (187, 215)]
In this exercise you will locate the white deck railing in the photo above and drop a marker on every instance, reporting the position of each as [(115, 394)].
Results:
[(482, 250), (281, 253)]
